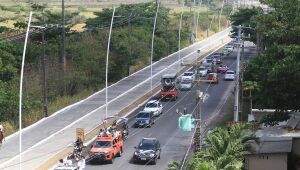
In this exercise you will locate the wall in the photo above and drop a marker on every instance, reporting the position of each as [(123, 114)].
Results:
[(266, 162)]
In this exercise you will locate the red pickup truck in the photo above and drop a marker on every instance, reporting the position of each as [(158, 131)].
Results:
[(106, 148)]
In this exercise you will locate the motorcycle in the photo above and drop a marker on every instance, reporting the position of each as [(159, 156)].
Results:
[(77, 152)]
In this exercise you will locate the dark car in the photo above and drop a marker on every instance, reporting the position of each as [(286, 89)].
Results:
[(144, 119), (147, 151)]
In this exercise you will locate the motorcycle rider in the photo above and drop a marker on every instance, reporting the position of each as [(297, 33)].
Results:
[(79, 144)]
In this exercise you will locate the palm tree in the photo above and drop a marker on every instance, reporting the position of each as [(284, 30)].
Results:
[(224, 151), (250, 86)]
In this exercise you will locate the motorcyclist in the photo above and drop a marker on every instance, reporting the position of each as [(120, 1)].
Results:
[(79, 144)]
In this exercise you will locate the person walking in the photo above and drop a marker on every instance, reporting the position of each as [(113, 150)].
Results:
[(2, 136)]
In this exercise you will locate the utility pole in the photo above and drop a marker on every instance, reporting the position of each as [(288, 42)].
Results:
[(197, 136), (63, 43), (43, 60), (237, 80), (129, 43), (207, 20)]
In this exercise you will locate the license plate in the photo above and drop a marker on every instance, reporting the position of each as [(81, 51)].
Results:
[(143, 159)]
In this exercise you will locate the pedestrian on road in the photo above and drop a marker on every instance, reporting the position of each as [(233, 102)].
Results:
[(2, 137)]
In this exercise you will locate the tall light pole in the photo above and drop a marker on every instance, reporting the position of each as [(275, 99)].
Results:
[(106, 67), (152, 46), (21, 90), (219, 25), (198, 14), (179, 39), (237, 80)]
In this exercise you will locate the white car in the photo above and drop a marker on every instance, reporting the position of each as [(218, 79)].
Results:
[(154, 106), (188, 76), (229, 75), (203, 71), (229, 47), (207, 62)]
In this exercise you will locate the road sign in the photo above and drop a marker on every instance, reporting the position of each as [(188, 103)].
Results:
[(80, 133), (186, 122)]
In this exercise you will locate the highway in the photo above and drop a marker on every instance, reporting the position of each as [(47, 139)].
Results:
[(175, 142), (44, 139)]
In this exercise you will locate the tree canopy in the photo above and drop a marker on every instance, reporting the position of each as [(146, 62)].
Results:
[(277, 69)]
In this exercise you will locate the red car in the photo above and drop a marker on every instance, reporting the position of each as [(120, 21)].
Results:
[(222, 69), (213, 78)]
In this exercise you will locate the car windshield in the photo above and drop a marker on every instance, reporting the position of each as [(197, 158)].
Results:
[(103, 144), (229, 72), (146, 146), (217, 56), (187, 74), (202, 68), (143, 115), (151, 105), (209, 61)]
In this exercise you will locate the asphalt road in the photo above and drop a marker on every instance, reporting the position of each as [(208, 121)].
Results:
[(175, 142), (44, 139)]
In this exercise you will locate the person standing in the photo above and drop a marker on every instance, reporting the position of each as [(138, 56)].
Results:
[(2, 136)]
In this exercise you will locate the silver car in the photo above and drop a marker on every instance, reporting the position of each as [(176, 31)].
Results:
[(185, 85)]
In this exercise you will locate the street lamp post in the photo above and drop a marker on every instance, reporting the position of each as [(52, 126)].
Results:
[(21, 90), (152, 46), (106, 67)]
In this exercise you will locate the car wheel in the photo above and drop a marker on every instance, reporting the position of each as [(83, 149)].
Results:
[(154, 161), (112, 159), (120, 153), (158, 156)]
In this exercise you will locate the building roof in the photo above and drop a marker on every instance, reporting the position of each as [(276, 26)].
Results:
[(271, 145)]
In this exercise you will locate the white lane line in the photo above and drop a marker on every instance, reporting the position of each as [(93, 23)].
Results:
[(90, 113)]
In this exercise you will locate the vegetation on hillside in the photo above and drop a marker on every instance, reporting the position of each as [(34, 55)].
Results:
[(85, 53)]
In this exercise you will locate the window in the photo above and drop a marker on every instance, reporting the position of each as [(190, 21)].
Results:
[(103, 144)]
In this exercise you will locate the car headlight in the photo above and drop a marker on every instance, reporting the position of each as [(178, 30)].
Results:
[(106, 152), (152, 155), (147, 121), (136, 153)]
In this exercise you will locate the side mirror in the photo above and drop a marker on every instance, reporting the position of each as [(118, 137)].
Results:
[(135, 147)]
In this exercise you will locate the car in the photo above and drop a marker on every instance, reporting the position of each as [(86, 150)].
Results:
[(144, 119), (207, 62), (154, 106), (189, 75), (229, 47), (202, 71), (106, 148), (225, 51), (148, 151), (213, 77), (229, 75), (185, 85), (222, 69), (217, 58)]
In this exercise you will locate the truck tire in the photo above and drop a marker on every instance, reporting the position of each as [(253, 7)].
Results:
[(112, 159)]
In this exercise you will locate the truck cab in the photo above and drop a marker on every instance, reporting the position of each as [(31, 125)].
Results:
[(169, 89), (106, 148)]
